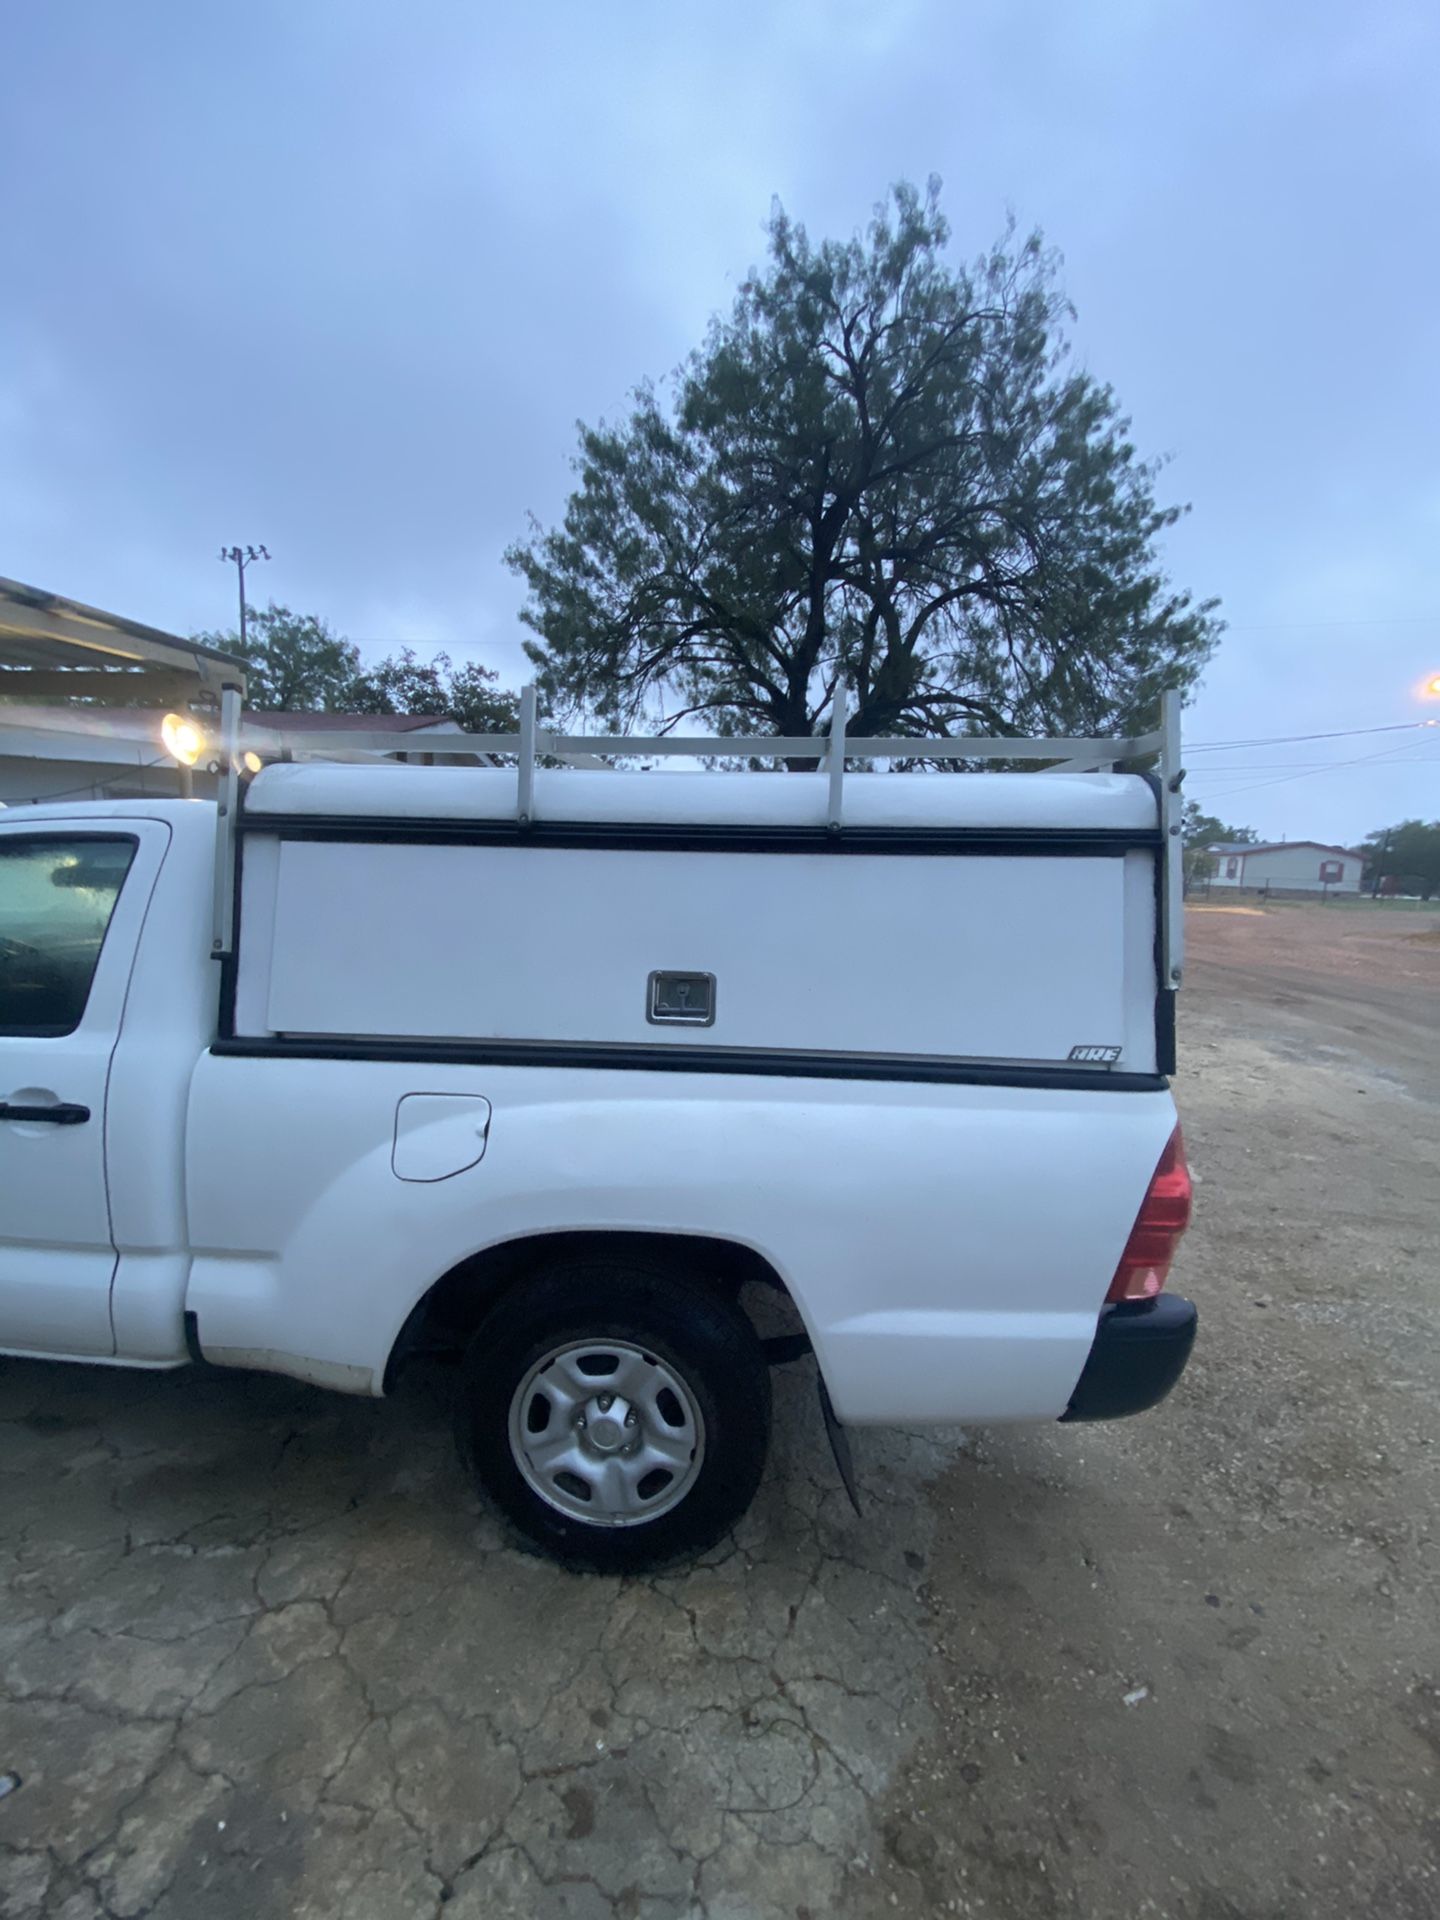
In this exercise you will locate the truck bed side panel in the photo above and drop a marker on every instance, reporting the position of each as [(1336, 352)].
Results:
[(947, 1246)]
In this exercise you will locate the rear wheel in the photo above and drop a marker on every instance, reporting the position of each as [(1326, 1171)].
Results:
[(619, 1415)]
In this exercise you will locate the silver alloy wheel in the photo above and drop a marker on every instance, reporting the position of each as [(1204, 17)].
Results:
[(607, 1433)]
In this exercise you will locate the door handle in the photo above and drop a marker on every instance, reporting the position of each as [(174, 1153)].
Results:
[(63, 1113)]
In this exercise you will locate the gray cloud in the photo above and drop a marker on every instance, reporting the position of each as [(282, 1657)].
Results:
[(342, 279)]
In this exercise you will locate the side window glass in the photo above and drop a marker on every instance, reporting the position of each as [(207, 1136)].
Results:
[(57, 894)]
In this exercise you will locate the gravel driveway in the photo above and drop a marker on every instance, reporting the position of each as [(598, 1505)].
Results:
[(263, 1655)]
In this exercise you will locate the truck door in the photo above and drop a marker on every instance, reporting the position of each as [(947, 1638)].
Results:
[(72, 902)]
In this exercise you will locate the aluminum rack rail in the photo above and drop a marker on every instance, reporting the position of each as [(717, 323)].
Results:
[(832, 750)]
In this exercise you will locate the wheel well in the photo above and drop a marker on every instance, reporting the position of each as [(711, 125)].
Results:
[(443, 1319)]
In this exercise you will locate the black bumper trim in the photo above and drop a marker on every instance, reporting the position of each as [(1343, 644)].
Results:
[(1138, 1353)]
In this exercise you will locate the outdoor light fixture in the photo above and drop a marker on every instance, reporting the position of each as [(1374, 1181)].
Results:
[(1431, 688), (251, 761), (183, 739)]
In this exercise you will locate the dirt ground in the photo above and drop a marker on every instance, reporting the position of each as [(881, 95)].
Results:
[(262, 1654)]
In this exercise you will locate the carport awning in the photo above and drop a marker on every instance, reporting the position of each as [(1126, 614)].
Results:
[(50, 647)]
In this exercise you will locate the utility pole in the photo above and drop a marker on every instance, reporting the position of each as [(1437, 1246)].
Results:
[(240, 558), (1380, 866)]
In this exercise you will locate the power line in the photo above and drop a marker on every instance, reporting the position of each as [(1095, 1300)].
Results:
[(1306, 626), (441, 646), (1231, 793), (1191, 746), (1285, 739), (1243, 626), (1287, 766)]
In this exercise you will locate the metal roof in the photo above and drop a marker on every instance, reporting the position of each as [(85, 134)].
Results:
[(285, 721), (1283, 846), (51, 646)]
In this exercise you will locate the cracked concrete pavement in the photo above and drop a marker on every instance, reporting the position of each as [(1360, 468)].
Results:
[(263, 1653)]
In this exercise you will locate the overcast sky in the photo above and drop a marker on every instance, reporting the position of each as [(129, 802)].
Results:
[(341, 277)]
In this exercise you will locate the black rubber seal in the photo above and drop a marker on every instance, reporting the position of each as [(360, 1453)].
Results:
[(778, 1063), (705, 837)]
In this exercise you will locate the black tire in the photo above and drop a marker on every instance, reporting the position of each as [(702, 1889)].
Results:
[(688, 1327)]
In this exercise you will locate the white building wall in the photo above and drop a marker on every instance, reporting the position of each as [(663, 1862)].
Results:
[(97, 753), (1222, 865), (1298, 869), (40, 761)]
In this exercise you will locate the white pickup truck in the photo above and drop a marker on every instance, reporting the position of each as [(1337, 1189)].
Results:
[(555, 1085)]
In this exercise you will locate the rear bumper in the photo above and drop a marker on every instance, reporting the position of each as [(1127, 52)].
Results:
[(1139, 1352)]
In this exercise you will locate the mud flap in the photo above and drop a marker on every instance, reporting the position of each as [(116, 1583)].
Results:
[(782, 1348), (839, 1445)]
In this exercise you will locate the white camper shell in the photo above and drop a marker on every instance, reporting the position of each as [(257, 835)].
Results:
[(386, 906)]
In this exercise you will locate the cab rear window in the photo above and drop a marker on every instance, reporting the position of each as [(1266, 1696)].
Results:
[(57, 895)]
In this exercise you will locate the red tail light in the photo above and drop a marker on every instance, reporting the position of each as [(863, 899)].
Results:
[(1164, 1215)]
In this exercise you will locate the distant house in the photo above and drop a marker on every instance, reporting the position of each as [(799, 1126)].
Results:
[(1286, 866)]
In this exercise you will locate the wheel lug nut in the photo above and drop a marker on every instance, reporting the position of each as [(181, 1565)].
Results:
[(607, 1400)]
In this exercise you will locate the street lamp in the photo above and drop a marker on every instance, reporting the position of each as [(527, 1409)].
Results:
[(184, 740), (240, 558)]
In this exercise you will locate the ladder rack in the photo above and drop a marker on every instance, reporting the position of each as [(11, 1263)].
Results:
[(831, 752)]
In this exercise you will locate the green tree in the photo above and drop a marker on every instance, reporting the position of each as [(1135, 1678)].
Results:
[(294, 662), (298, 664), (479, 702), (879, 464), (1409, 853), (1205, 830), (470, 694), (401, 683)]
